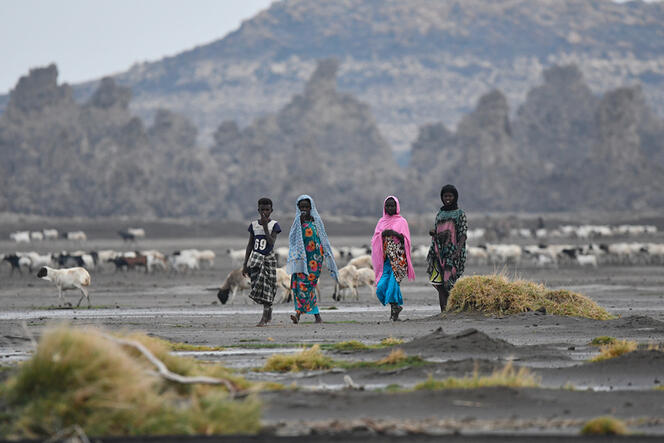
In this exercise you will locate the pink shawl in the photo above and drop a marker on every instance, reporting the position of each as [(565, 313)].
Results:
[(397, 223)]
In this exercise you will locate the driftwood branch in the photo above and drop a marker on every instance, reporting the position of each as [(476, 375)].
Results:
[(168, 375), (69, 434)]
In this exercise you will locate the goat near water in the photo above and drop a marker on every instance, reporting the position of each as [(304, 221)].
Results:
[(70, 278)]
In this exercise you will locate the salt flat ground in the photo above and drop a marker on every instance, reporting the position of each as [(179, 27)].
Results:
[(184, 308)]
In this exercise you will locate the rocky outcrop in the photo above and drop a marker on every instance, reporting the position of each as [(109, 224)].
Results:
[(566, 150), (323, 143), (412, 62)]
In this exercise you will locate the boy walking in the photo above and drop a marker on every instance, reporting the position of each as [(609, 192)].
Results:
[(260, 263)]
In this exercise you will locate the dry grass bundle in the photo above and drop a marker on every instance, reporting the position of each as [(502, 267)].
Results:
[(604, 426), (391, 341), (615, 349), (79, 376), (309, 359), (507, 376), (497, 294), (394, 358)]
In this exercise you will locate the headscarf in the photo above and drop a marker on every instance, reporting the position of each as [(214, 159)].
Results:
[(397, 223), (451, 189), (297, 256)]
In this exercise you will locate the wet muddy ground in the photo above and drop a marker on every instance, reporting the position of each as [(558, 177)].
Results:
[(184, 308)]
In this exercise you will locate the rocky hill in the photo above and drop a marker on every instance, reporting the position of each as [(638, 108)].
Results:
[(412, 62), (96, 158), (566, 149)]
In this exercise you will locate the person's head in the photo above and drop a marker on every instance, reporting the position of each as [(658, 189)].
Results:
[(304, 205), (449, 196), (390, 206), (265, 207)]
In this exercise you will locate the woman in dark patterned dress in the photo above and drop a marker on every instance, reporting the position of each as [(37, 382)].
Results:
[(390, 256), (446, 259)]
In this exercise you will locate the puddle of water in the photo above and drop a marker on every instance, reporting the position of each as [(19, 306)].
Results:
[(237, 351)]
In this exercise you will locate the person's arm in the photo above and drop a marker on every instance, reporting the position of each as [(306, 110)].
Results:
[(393, 233), (250, 246), (270, 237)]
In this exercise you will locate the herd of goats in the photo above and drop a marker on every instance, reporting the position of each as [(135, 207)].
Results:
[(588, 245)]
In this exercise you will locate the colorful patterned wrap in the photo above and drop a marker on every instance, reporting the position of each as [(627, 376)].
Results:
[(444, 265), (304, 284)]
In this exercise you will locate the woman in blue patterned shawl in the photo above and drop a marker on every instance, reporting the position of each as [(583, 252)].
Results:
[(446, 259), (308, 247)]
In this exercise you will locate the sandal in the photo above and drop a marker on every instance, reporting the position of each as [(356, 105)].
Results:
[(295, 319)]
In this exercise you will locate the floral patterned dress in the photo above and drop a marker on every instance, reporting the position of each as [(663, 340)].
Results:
[(304, 285), (395, 268)]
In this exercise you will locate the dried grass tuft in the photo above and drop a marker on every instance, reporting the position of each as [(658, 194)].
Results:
[(507, 376), (498, 295), (308, 359), (79, 377), (391, 341), (615, 349), (395, 357), (604, 426)]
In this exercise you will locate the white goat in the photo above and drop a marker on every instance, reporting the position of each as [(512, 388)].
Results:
[(50, 234), (347, 279), (237, 255), (70, 278), (284, 281), (363, 261), (20, 236), (366, 277)]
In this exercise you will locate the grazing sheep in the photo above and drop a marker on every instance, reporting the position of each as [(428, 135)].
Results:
[(76, 236), (366, 277), (206, 256), (284, 281), (16, 262), (237, 255), (234, 281), (136, 232), (20, 236), (347, 279), (363, 261), (130, 262), (183, 262), (70, 278), (37, 261), (36, 235), (127, 236), (50, 234)]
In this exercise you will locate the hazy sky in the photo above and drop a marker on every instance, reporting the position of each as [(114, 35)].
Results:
[(91, 38)]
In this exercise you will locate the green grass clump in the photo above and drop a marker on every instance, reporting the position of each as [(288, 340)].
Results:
[(308, 359), (602, 340), (178, 346), (604, 426), (615, 349), (352, 345), (507, 376), (498, 295), (78, 376)]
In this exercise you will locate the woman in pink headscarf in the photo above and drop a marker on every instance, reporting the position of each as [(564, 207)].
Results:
[(390, 255)]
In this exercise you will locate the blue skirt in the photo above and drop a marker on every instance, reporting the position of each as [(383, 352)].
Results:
[(387, 289)]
